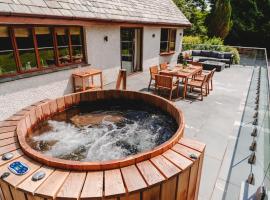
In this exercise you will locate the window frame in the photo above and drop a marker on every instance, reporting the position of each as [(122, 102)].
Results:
[(11, 33), (39, 67), (171, 38)]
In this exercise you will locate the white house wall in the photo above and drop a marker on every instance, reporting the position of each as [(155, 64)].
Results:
[(151, 47), (101, 54)]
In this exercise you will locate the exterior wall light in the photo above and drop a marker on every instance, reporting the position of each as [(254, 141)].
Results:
[(154, 35), (106, 39)]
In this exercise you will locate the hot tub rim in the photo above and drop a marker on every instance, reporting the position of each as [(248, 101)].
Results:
[(100, 165)]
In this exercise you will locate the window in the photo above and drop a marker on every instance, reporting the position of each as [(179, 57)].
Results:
[(167, 40), (25, 45), (7, 59), (45, 46), (34, 48), (63, 45), (76, 44)]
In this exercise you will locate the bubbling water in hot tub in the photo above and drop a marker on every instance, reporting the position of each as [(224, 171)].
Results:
[(104, 131)]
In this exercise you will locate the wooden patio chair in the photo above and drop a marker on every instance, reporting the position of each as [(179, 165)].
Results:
[(163, 66), (210, 82), (153, 72), (201, 85), (166, 83)]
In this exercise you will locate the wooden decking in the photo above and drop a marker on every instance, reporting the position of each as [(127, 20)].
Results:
[(167, 174)]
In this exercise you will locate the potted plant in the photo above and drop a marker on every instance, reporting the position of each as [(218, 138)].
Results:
[(185, 64)]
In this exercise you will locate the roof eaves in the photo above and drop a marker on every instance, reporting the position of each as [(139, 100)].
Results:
[(70, 17)]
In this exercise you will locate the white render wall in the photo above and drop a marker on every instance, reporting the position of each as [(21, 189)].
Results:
[(151, 47), (15, 95), (101, 54)]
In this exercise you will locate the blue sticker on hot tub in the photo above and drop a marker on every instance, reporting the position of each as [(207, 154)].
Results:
[(18, 168)]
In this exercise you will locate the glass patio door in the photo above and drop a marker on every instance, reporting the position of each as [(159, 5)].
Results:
[(130, 49)]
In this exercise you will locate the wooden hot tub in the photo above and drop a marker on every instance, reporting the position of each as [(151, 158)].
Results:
[(170, 171)]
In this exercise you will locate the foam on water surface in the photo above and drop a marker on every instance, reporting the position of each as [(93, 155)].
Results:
[(105, 134)]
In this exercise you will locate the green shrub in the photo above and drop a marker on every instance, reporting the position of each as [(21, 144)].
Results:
[(211, 44), (192, 40)]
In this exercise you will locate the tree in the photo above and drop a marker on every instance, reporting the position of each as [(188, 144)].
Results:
[(251, 23), (219, 21), (195, 11)]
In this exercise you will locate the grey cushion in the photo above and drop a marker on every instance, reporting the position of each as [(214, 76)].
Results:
[(214, 54), (220, 55), (206, 53), (227, 55), (196, 52)]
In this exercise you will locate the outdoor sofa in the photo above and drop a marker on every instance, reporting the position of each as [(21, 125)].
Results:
[(205, 55)]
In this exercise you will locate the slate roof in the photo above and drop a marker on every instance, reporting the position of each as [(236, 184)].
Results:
[(142, 11)]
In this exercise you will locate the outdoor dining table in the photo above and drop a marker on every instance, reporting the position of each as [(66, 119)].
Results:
[(180, 71)]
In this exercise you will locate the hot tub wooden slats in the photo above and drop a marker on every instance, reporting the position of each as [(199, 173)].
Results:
[(183, 184), (30, 186), (133, 179), (13, 179), (93, 186), (17, 194), (185, 151), (64, 185), (179, 160), (16, 154), (14, 118), (151, 175), (9, 148), (51, 186), (152, 193), (165, 167), (168, 189), (132, 196), (8, 141), (1, 193), (170, 176), (7, 135), (193, 180), (4, 129), (114, 183), (6, 191), (72, 186), (193, 144), (187, 147), (31, 197), (200, 147), (8, 123)]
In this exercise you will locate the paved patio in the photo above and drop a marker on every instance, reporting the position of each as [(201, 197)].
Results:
[(211, 121)]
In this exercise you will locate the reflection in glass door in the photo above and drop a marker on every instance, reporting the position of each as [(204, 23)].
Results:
[(131, 49)]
